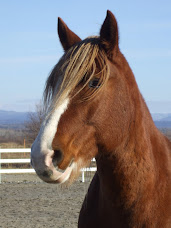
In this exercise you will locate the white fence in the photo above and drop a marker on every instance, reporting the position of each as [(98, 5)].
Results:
[(27, 160)]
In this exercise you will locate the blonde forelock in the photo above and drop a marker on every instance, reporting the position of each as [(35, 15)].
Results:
[(81, 60)]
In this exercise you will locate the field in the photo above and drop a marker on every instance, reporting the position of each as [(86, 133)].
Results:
[(27, 202)]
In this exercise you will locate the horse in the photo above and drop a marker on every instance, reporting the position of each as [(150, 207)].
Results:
[(95, 109)]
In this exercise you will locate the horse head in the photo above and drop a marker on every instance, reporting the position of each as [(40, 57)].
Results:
[(86, 93)]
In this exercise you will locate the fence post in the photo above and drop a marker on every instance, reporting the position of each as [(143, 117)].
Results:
[(83, 177)]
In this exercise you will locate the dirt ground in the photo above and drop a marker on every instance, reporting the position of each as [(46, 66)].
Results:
[(27, 202)]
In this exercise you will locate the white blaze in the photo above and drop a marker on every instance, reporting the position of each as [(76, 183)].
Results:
[(42, 146)]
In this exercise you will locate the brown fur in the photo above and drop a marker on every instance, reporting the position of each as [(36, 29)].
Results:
[(132, 185)]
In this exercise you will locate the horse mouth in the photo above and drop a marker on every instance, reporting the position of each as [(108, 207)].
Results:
[(52, 174)]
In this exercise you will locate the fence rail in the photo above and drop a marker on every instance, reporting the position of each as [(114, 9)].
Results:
[(19, 150), (27, 160), (21, 160), (12, 171)]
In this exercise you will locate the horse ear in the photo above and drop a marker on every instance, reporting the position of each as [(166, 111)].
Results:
[(109, 35), (66, 36)]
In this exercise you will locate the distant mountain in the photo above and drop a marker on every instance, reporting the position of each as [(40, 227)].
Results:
[(12, 119), (162, 120), (167, 118), (163, 124), (161, 116)]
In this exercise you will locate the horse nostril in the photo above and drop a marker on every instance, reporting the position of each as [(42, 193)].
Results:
[(57, 158)]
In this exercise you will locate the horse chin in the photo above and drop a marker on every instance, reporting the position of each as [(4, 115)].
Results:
[(54, 175)]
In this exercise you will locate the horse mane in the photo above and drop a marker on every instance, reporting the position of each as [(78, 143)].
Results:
[(84, 61)]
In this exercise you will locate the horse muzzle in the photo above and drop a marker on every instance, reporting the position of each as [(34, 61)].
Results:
[(46, 163)]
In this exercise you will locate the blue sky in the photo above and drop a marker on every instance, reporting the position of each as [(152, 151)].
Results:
[(29, 46)]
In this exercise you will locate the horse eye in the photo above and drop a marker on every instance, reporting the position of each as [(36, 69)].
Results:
[(94, 83)]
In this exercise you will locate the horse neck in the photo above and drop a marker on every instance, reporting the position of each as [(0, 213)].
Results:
[(123, 170), (132, 178), (128, 172)]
